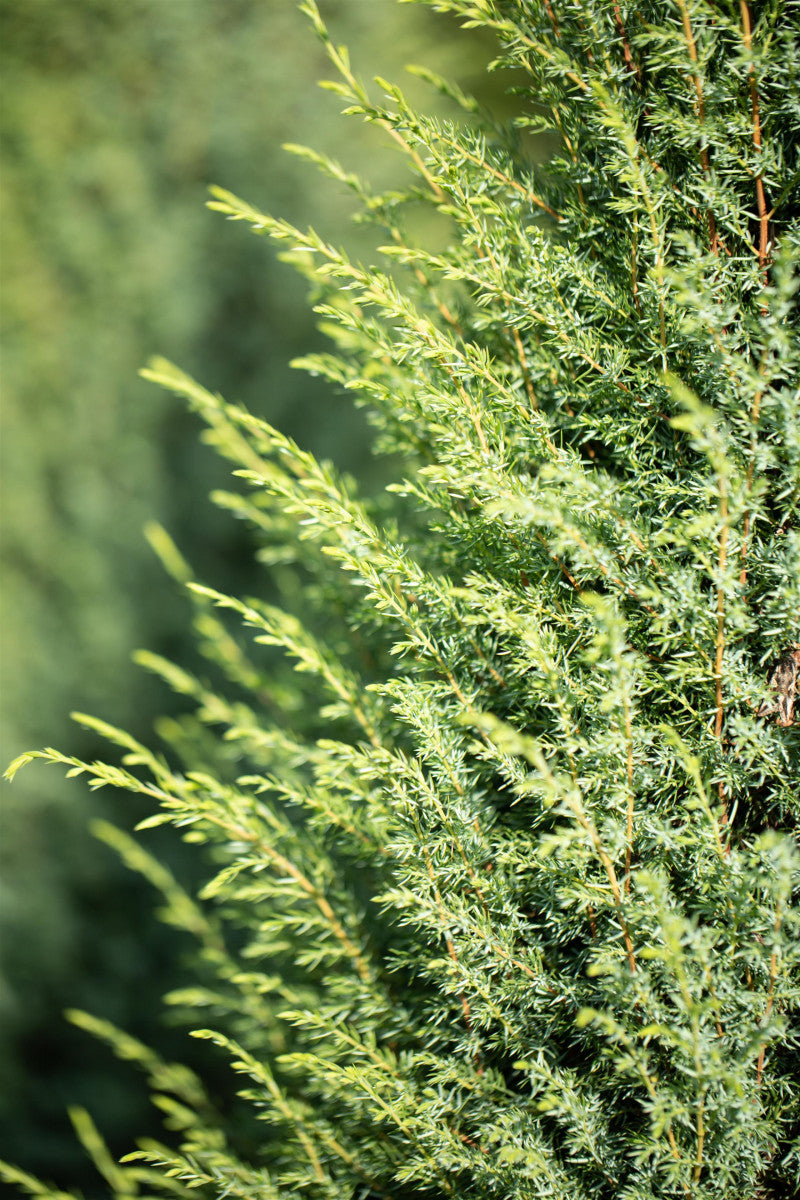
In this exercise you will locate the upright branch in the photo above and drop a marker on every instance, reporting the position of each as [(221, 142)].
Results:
[(761, 201), (701, 113), (632, 66)]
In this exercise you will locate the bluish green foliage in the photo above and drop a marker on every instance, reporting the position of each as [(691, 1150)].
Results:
[(503, 891)]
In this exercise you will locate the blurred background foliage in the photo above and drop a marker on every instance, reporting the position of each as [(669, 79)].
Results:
[(116, 116)]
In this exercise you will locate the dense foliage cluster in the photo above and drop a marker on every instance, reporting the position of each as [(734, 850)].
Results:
[(502, 898)]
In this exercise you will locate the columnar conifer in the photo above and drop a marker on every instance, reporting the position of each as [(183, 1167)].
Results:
[(502, 875)]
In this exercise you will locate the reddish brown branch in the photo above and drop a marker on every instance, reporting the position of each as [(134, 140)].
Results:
[(763, 259), (761, 201), (548, 9), (701, 112), (633, 67)]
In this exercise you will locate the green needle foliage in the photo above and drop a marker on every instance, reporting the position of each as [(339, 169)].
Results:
[(502, 822)]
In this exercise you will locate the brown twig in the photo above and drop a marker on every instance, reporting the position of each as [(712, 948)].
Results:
[(559, 563), (548, 9), (761, 202), (701, 112), (451, 950), (701, 1137), (500, 176), (763, 240), (576, 805), (310, 889), (633, 67)]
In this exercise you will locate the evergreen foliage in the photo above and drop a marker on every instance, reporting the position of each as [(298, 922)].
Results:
[(114, 118), (503, 898)]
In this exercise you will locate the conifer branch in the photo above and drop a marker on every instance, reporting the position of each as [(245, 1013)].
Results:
[(352, 952), (701, 112), (494, 172), (633, 67), (761, 202), (451, 950)]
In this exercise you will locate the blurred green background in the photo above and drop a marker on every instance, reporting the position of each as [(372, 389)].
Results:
[(116, 116)]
